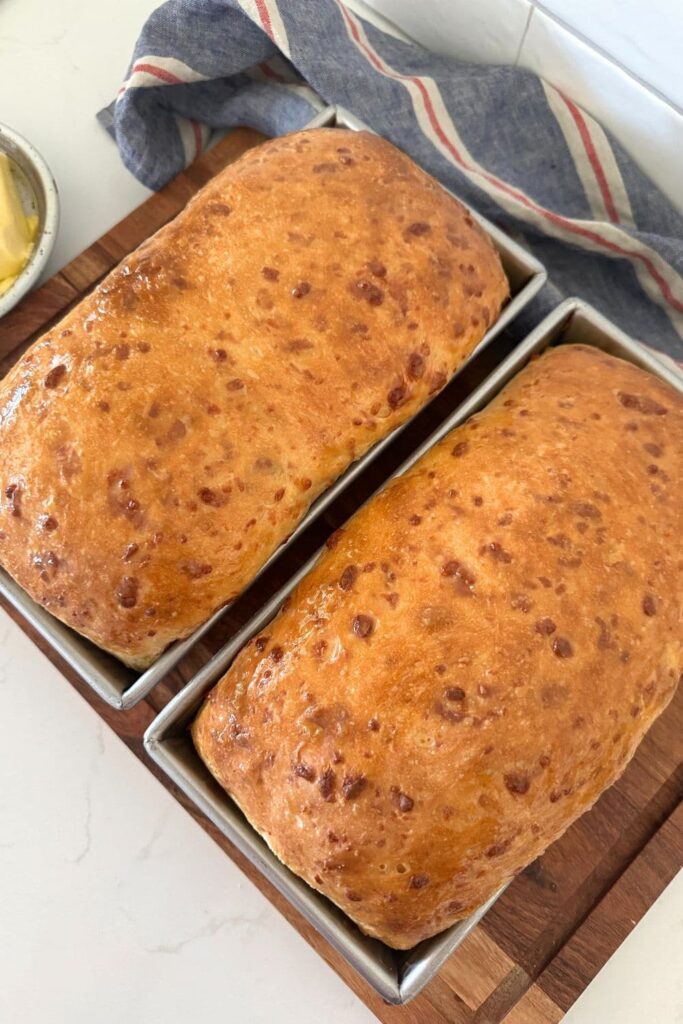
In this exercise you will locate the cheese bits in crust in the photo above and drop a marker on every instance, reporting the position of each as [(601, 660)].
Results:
[(169, 434), (475, 658)]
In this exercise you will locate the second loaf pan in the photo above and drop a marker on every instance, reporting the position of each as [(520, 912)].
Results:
[(123, 687), (398, 976)]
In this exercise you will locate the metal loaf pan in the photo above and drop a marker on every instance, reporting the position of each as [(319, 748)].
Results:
[(398, 976), (123, 687)]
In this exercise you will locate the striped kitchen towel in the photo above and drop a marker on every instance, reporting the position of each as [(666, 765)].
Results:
[(511, 145)]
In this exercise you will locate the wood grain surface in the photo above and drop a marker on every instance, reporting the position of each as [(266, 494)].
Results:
[(560, 920)]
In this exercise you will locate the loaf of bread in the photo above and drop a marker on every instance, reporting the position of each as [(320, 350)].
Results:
[(169, 434), (475, 658)]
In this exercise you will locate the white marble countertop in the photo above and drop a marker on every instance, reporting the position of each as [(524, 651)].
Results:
[(114, 905)]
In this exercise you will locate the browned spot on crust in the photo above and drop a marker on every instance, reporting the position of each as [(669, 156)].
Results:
[(517, 782), (55, 376), (327, 784), (363, 626), (353, 786), (127, 592), (562, 647)]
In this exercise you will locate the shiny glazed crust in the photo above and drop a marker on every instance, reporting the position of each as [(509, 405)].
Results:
[(162, 441), (475, 658)]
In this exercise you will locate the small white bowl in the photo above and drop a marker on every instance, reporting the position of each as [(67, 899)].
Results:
[(39, 195)]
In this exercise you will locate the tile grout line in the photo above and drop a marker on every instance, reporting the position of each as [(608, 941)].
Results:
[(524, 33)]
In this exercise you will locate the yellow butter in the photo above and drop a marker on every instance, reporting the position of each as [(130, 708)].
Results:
[(17, 231)]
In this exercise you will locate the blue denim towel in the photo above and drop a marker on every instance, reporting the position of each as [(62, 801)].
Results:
[(508, 143)]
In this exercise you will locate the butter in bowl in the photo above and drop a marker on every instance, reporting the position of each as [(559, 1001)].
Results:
[(29, 216), (18, 229)]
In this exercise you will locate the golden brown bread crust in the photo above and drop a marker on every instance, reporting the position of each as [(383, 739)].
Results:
[(163, 439), (475, 658)]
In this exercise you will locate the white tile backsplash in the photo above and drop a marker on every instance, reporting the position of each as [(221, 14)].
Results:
[(482, 31), (649, 129), (646, 37), (618, 59)]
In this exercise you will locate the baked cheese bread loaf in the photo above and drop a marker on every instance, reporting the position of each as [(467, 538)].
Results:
[(475, 658), (169, 434)]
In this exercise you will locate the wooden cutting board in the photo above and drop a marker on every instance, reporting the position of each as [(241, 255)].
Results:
[(561, 919)]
